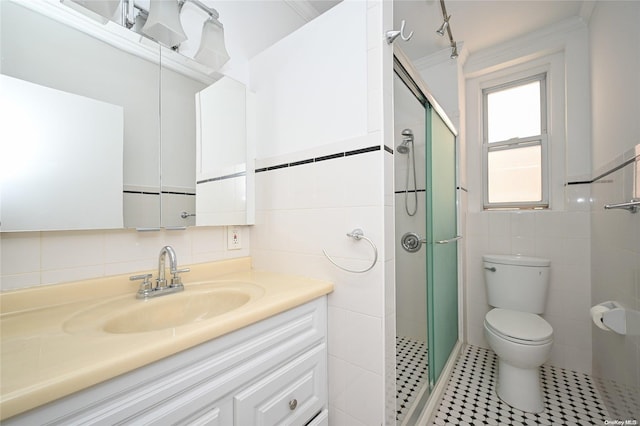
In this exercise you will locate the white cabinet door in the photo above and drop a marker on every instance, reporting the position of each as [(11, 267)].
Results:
[(291, 395)]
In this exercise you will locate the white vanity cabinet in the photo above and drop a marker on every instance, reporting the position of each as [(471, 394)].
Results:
[(273, 372)]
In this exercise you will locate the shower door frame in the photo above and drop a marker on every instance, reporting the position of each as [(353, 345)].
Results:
[(410, 76)]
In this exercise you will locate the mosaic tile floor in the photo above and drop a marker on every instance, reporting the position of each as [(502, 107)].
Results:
[(570, 397), (411, 373)]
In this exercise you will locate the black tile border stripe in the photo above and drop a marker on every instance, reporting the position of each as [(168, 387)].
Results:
[(424, 190), (179, 193), (411, 191), (324, 158), (126, 191), (329, 157), (362, 151), (299, 163), (217, 178)]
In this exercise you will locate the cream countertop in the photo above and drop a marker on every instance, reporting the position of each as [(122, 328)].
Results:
[(42, 359)]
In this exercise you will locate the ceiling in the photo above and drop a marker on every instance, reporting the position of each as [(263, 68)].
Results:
[(253, 25), (478, 24)]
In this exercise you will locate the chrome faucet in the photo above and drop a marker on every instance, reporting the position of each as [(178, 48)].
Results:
[(161, 288), (161, 281)]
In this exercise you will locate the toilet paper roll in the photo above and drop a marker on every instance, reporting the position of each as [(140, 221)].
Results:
[(596, 315)]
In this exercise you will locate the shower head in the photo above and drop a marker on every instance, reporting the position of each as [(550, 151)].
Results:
[(403, 148)]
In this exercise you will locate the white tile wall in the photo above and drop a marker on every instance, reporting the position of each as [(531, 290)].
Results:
[(561, 236), (411, 288), (615, 252), (304, 209), (411, 274), (615, 255), (41, 258)]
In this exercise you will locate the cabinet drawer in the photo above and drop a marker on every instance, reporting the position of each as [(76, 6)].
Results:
[(291, 395)]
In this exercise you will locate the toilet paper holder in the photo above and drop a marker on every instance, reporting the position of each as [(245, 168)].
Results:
[(615, 317)]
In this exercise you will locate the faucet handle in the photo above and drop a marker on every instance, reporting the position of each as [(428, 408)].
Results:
[(145, 286), (176, 280)]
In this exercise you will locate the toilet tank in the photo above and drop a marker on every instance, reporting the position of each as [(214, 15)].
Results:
[(518, 283)]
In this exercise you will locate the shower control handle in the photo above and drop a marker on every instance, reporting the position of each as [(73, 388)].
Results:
[(492, 269), (412, 242)]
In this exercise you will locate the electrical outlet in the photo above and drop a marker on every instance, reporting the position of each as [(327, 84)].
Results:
[(234, 242)]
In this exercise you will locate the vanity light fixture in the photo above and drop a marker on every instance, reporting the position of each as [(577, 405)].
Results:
[(163, 23), (212, 51), (105, 8)]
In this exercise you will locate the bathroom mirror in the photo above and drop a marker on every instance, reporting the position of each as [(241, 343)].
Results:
[(39, 128), (41, 46)]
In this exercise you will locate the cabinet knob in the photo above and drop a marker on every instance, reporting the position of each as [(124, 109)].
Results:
[(293, 404)]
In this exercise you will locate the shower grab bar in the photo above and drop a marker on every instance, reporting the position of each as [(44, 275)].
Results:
[(459, 237), (632, 206), (357, 234)]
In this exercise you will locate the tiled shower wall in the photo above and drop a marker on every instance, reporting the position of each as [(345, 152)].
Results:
[(411, 272)]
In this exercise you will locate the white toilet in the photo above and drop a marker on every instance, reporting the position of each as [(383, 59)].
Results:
[(517, 289)]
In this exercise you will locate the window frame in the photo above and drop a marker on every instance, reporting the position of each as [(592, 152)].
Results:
[(541, 140)]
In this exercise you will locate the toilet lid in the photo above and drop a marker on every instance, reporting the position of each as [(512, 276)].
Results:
[(519, 325)]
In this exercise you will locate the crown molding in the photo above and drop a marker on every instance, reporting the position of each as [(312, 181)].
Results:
[(441, 56), (586, 10), (303, 8), (538, 43)]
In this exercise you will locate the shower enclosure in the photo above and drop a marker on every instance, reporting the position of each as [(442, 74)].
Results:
[(426, 244)]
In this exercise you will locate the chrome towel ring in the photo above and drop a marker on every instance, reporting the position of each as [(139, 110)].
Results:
[(357, 234)]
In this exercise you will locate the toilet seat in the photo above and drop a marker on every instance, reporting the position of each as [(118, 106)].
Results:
[(519, 327)]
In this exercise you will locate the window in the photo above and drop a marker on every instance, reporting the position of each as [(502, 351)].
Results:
[(515, 144)]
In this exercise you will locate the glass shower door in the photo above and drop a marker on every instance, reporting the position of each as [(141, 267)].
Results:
[(442, 269)]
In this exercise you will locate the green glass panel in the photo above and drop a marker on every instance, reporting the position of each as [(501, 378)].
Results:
[(442, 270)]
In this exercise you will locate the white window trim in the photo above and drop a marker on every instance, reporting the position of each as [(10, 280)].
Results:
[(542, 140)]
